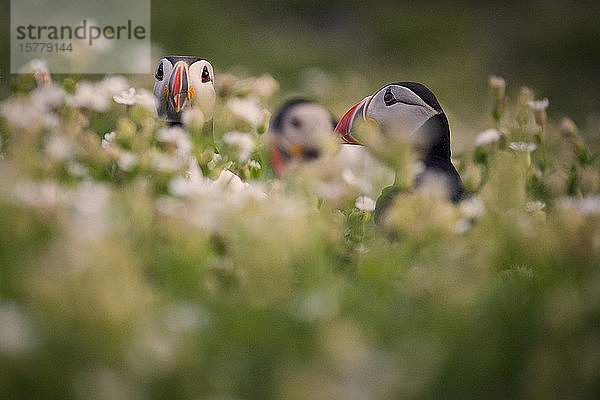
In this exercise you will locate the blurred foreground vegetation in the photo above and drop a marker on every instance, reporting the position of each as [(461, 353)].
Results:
[(139, 261), (452, 46)]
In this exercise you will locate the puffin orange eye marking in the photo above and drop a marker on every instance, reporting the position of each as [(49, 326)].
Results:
[(166, 92), (296, 150), (191, 93)]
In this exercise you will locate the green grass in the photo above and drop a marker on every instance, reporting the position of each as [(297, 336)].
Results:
[(124, 279)]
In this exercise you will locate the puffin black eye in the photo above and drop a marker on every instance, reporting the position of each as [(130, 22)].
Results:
[(389, 98), (159, 72), (205, 75), (296, 123)]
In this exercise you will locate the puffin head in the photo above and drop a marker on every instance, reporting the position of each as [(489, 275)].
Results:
[(408, 112), (403, 111), (298, 131), (181, 82)]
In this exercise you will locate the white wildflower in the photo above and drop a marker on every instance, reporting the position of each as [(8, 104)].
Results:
[(22, 116), (329, 190), (97, 96), (45, 194), (108, 139), (590, 205), (498, 85), (539, 105), (487, 136), (462, 226), (48, 98), (133, 96), (145, 98), (523, 146), (246, 110), (193, 171), (229, 180), (59, 148), (193, 117), (362, 171), (37, 65), (214, 161), (236, 186), (472, 208), (177, 136), (88, 97), (111, 86), (40, 71), (539, 111), (127, 97), (166, 163), (127, 160), (567, 127), (183, 187), (225, 83), (90, 198), (365, 203), (265, 86), (76, 169), (193, 184), (227, 191), (241, 143), (534, 206), (170, 134), (254, 164)]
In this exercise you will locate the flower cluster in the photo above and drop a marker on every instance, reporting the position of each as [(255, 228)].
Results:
[(139, 260)]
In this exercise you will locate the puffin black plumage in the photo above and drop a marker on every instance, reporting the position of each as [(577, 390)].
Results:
[(297, 132), (181, 82), (409, 111)]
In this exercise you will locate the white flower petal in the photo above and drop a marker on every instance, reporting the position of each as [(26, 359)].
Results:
[(241, 143), (365, 203), (523, 146), (487, 136)]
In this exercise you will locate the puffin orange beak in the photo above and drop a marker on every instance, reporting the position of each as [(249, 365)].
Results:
[(344, 127), (179, 86), (278, 160)]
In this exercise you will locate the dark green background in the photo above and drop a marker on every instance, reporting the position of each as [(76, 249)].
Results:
[(552, 46)]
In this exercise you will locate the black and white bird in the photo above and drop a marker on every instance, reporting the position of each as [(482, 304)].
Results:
[(409, 111), (182, 82), (298, 131), (302, 131)]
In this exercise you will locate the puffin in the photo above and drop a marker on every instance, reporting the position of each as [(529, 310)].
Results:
[(297, 132), (408, 111), (181, 82)]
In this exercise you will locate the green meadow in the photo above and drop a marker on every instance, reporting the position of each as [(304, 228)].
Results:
[(141, 261)]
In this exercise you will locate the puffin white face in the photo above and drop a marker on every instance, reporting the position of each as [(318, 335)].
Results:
[(305, 125), (182, 82), (300, 131), (202, 81), (398, 110)]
